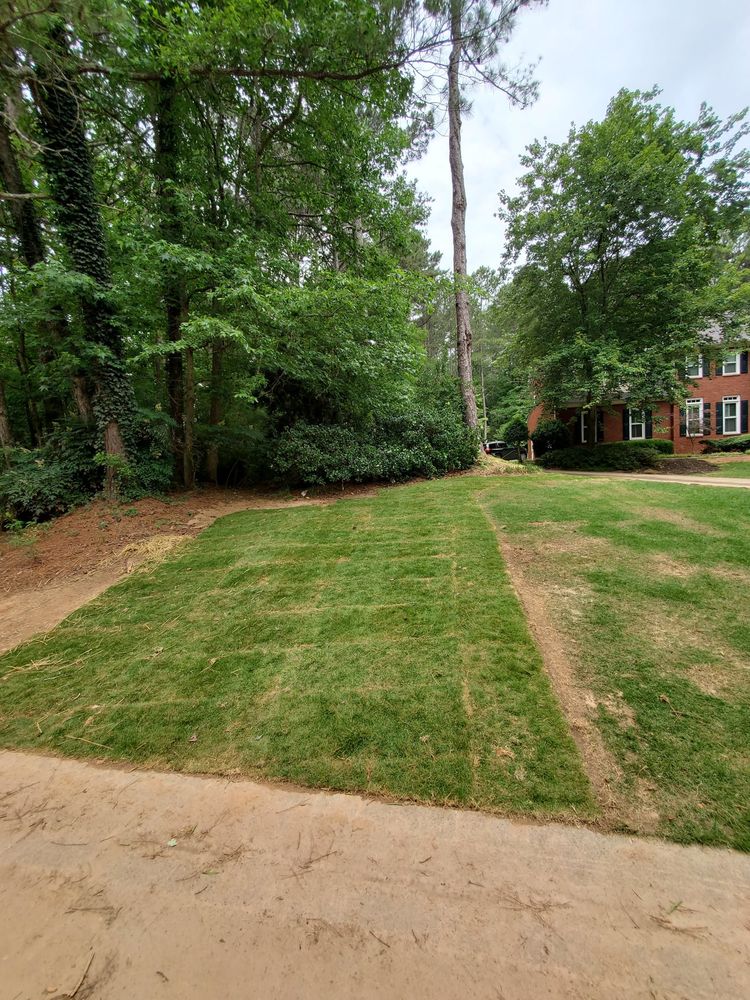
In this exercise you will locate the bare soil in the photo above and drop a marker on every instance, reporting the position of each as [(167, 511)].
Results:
[(684, 466), (50, 570), (129, 884)]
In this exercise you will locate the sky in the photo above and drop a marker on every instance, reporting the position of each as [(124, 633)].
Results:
[(694, 50)]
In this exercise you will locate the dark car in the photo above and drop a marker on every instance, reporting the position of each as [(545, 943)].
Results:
[(500, 449)]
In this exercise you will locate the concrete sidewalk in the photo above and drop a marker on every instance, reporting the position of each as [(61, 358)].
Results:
[(122, 884)]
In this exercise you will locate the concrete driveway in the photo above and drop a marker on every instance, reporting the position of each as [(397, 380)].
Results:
[(129, 884)]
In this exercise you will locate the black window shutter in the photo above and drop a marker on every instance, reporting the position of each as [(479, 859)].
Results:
[(683, 422), (719, 418), (625, 423), (719, 364), (599, 425), (743, 362), (743, 416), (706, 367), (649, 424), (706, 419)]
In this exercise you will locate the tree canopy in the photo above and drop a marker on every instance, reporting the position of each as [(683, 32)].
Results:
[(621, 237)]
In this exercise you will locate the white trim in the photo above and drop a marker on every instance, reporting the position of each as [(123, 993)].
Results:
[(693, 402), (698, 363), (582, 426), (641, 421), (730, 399), (737, 364)]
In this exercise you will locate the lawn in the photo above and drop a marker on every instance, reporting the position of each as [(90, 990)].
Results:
[(649, 586), (378, 645), (737, 470), (374, 644)]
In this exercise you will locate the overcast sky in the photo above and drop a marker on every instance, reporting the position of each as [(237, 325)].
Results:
[(695, 50)]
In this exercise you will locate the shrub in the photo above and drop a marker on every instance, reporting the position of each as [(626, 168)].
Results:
[(516, 433), (47, 481), (550, 435), (739, 443), (603, 458), (396, 446), (656, 444)]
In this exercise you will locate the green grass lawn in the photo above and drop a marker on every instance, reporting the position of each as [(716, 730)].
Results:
[(650, 587), (378, 645), (372, 644), (737, 470)]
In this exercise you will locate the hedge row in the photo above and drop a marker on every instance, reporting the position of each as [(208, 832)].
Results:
[(620, 456), (739, 443)]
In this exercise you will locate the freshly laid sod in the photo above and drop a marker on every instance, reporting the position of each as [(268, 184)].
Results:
[(372, 644), (650, 587)]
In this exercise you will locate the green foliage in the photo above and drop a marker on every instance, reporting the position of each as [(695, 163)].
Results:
[(739, 443), (550, 435), (623, 232), (603, 457), (396, 446), (515, 432), (662, 445), (47, 481)]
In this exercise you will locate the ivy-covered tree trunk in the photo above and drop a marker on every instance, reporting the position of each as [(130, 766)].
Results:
[(67, 159), (458, 220), (29, 233), (166, 165), (6, 434)]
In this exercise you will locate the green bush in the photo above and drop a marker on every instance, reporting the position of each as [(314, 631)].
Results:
[(740, 442), (655, 444), (396, 446), (515, 433), (69, 469), (50, 480), (603, 457), (550, 435)]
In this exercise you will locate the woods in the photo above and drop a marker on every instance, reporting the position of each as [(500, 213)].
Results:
[(207, 237)]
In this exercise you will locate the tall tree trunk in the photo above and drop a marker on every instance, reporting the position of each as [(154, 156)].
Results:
[(69, 167), (29, 233), (166, 161), (188, 459), (6, 434), (458, 220), (215, 409)]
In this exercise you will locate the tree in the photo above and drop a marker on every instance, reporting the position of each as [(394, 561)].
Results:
[(620, 231), (478, 28)]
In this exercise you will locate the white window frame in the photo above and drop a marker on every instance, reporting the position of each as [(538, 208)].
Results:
[(696, 364), (732, 359), (730, 399), (640, 418), (693, 403), (584, 424)]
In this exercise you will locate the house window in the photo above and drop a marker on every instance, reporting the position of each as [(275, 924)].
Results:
[(731, 365), (585, 424), (731, 412), (694, 417), (637, 424), (694, 369)]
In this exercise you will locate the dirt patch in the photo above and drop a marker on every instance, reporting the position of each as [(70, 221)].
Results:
[(55, 568), (666, 566), (684, 466), (578, 704), (141, 885)]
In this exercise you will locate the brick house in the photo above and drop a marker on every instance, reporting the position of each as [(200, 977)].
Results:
[(717, 407)]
